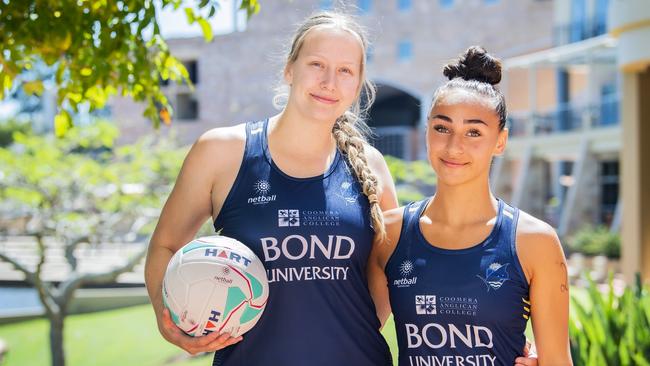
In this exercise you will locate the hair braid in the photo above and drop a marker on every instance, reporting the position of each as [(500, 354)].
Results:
[(350, 142)]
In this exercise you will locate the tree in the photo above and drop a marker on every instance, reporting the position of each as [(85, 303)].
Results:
[(96, 48), (76, 190)]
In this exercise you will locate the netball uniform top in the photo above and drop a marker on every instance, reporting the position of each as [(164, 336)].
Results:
[(314, 237), (464, 307)]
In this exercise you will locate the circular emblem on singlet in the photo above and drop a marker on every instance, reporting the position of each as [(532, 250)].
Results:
[(262, 187), (406, 268)]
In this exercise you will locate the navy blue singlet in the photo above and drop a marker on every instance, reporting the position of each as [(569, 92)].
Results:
[(314, 236), (466, 307)]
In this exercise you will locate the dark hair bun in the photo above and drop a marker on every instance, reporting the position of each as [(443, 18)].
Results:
[(475, 64)]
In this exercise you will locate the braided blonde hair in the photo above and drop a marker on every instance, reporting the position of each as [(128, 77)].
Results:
[(351, 142), (349, 130)]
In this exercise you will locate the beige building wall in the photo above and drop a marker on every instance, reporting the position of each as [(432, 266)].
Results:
[(518, 87), (630, 24), (644, 167), (636, 175), (238, 72)]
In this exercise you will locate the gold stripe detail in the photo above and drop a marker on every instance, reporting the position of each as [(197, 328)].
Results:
[(527, 309), (636, 66), (630, 27), (526, 301), (525, 316)]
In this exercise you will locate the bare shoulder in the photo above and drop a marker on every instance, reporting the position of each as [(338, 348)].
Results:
[(219, 148), (212, 163), (393, 222), (223, 138), (374, 157), (537, 244), (531, 229)]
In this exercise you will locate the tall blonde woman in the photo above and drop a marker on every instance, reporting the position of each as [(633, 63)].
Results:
[(305, 192)]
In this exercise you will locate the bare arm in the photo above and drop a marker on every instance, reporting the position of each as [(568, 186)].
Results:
[(388, 200), (378, 285), (543, 261), (387, 193), (381, 251), (189, 205)]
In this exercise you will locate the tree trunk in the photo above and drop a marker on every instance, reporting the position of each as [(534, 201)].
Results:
[(56, 339)]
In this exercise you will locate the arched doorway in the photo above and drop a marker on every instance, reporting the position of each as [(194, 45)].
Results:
[(395, 118)]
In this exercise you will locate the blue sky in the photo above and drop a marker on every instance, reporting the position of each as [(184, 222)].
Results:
[(173, 24)]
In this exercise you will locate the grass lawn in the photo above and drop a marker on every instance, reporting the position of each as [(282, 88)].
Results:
[(124, 337)]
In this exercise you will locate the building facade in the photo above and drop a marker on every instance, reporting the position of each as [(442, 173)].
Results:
[(562, 162), (575, 77), (577, 153), (236, 75)]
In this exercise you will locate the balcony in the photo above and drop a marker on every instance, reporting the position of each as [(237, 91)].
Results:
[(569, 117), (579, 30)]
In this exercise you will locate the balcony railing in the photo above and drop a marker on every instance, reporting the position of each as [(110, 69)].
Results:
[(565, 118), (578, 31)]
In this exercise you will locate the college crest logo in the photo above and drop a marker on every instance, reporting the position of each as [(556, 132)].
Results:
[(348, 193), (495, 275), (288, 218), (425, 304)]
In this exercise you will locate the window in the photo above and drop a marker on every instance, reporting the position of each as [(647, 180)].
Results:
[(609, 178), (187, 107), (609, 108), (600, 21), (326, 5), (446, 3), (364, 6), (392, 140), (491, 1), (404, 51), (192, 70), (404, 5), (578, 20)]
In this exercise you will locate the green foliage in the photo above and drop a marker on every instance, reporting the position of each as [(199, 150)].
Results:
[(80, 189), (96, 48), (131, 330), (82, 181), (414, 180), (612, 330), (8, 128), (596, 241)]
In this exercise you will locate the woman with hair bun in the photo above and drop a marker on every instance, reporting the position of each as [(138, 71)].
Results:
[(463, 270)]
